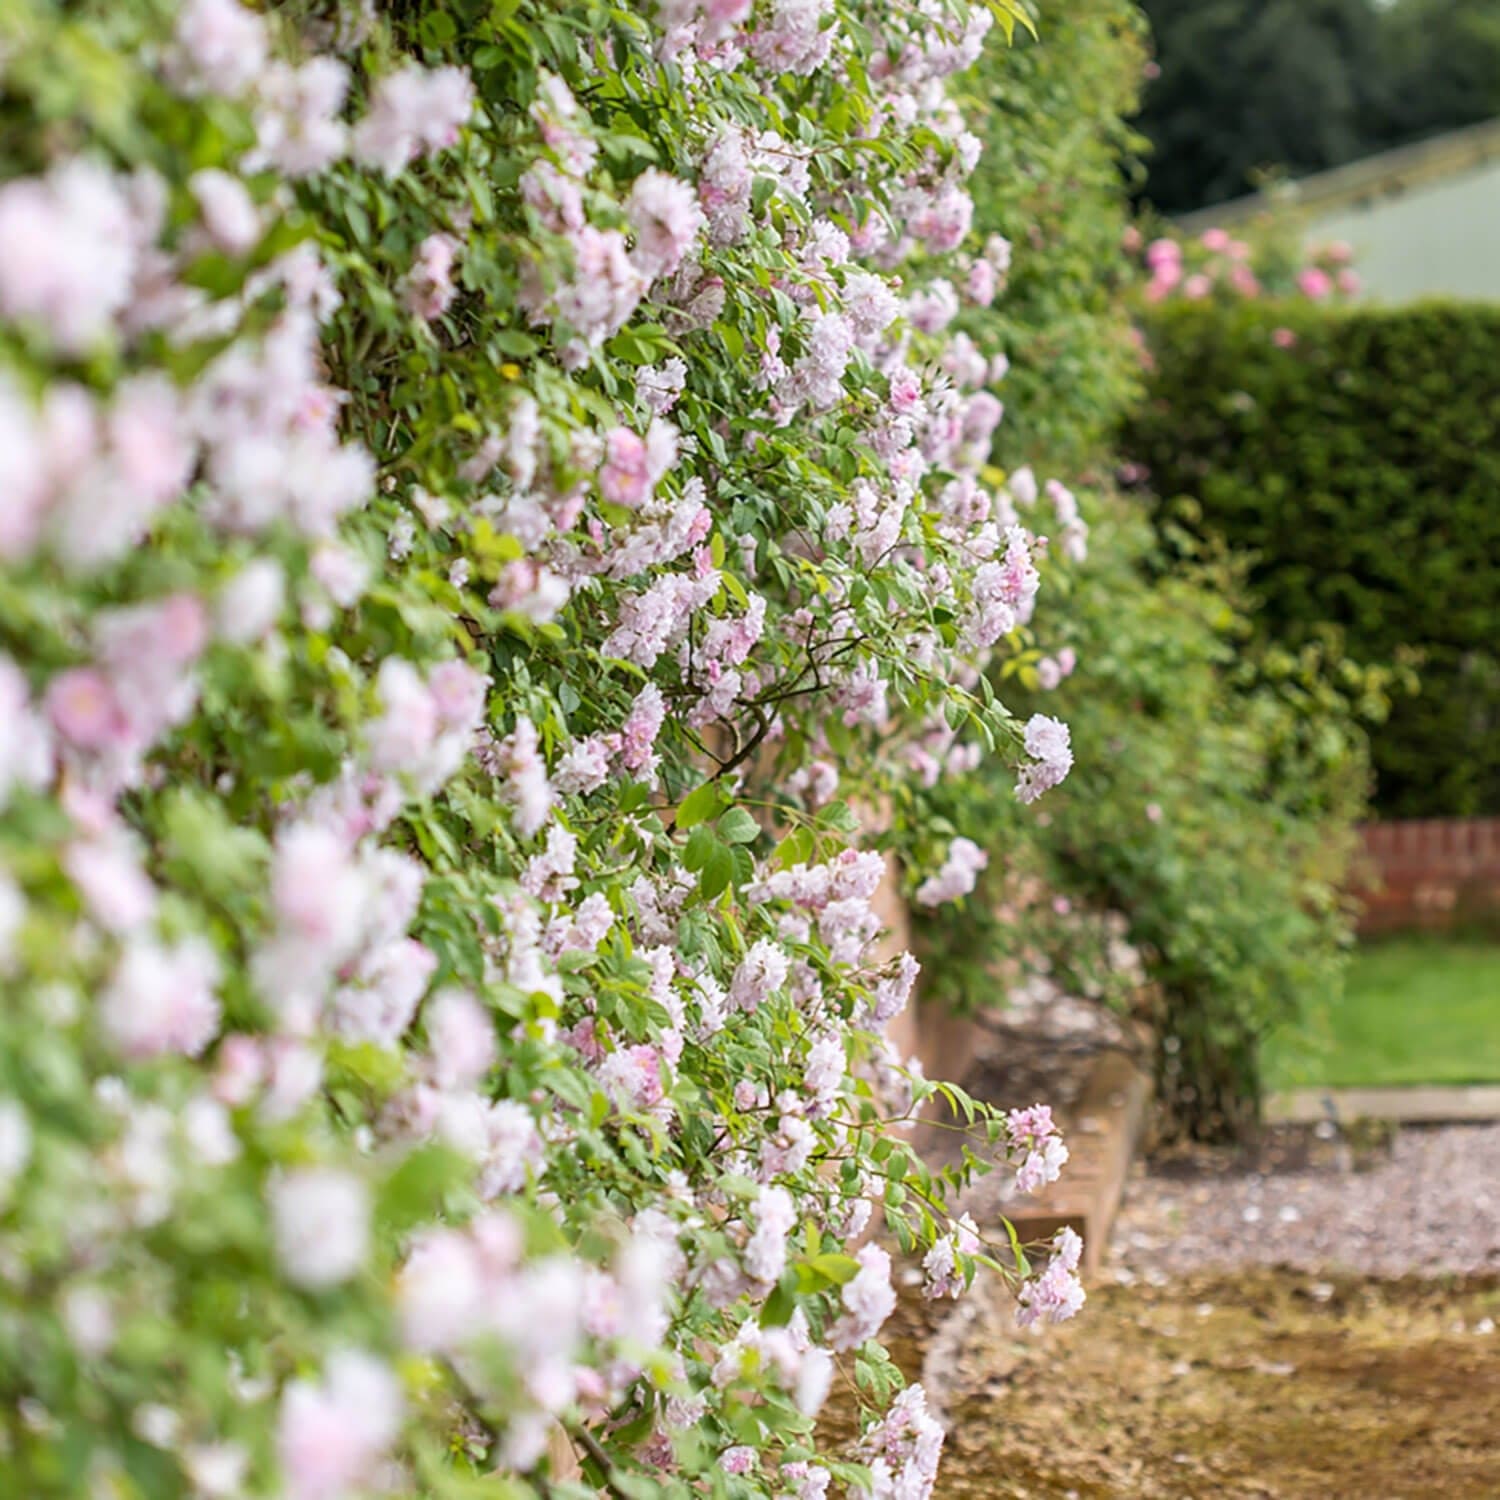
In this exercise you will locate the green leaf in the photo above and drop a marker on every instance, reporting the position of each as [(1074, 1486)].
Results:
[(437, 29), (215, 273), (781, 1304), (738, 827), (718, 871), (513, 341), (415, 1191), (838, 815), (833, 1269), (701, 843), (699, 805), (734, 340), (1009, 13), (207, 848), (795, 849)]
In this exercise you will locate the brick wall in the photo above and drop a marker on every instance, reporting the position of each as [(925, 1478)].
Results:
[(1430, 873)]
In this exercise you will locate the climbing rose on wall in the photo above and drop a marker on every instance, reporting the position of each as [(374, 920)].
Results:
[(480, 488)]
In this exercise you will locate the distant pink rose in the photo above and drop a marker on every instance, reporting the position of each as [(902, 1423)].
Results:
[(1244, 281), (1165, 278), (1315, 283), (1197, 287), (1163, 252), (1284, 338), (1216, 240)]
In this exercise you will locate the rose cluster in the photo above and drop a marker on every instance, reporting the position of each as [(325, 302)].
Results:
[(479, 486)]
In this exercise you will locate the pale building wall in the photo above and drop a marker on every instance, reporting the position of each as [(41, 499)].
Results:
[(1436, 239)]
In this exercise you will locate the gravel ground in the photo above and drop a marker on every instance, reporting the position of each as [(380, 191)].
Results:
[(1428, 1204)]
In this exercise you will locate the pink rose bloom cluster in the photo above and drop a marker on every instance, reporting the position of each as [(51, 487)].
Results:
[(941, 1266), (429, 285), (1075, 531), (609, 276), (334, 1433), (634, 465), (462, 1289), (868, 1298), (792, 37), (140, 684), (957, 876), (903, 1450), (1051, 671), (222, 47), (1035, 1140), (1049, 743), (1004, 591), (412, 111), (1057, 1294), (74, 244)]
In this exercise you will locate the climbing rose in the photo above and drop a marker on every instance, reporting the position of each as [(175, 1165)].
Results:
[(1057, 1294), (1048, 742), (666, 218), (332, 1434), (320, 1218)]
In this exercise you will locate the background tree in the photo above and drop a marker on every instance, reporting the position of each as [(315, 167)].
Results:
[(1439, 68), (1249, 86)]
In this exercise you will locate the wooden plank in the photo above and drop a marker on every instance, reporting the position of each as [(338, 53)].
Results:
[(1420, 1105)]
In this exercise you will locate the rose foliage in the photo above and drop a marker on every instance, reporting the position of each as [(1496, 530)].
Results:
[(488, 487), (1190, 871)]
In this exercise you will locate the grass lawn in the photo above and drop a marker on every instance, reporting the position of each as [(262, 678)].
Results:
[(1414, 1010)]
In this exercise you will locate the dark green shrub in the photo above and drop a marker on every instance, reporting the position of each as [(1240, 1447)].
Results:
[(1356, 457)]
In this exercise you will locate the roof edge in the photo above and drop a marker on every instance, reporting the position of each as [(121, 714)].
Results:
[(1357, 182)]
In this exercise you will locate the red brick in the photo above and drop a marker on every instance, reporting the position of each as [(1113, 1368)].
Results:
[(1416, 870)]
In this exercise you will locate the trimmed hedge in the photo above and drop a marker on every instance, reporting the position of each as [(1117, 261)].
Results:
[(1356, 456)]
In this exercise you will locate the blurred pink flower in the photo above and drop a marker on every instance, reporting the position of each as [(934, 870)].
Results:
[(1315, 282)]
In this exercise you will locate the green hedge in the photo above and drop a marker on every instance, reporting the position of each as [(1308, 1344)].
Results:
[(1057, 147), (1207, 816), (1360, 466), (1206, 822)]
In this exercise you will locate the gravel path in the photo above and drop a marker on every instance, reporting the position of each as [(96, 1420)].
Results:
[(1432, 1205)]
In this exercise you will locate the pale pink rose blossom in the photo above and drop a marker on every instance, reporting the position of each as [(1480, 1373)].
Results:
[(320, 1220), (332, 1434), (161, 999)]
